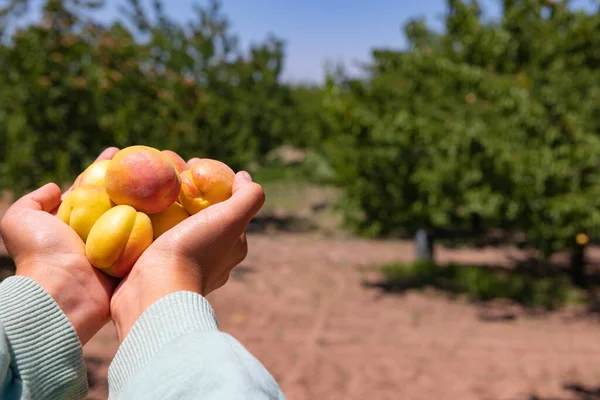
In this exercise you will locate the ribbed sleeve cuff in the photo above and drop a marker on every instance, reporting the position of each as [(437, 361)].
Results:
[(44, 345), (170, 317)]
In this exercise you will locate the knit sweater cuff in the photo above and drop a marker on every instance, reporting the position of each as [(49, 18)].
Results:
[(170, 317), (44, 346)]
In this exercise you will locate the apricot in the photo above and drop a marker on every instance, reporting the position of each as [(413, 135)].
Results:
[(144, 178), (92, 175), (82, 207), (177, 161), (167, 219), (191, 161), (118, 239), (207, 182)]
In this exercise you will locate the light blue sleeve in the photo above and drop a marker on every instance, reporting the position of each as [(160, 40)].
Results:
[(40, 354), (176, 351)]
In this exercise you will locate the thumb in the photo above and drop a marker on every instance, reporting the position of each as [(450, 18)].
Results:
[(46, 198), (229, 217), (247, 198)]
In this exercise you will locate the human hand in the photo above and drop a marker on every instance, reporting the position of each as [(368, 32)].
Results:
[(48, 251), (196, 255)]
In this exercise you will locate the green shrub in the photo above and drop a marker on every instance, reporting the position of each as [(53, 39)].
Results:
[(484, 283), (494, 122), (71, 87)]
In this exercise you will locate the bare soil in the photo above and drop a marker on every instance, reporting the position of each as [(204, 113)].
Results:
[(299, 305)]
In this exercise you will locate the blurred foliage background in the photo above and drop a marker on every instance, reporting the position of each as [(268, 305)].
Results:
[(488, 125)]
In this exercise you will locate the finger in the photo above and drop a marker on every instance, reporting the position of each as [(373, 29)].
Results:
[(242, 178), (247, 198), (240, 250), (107, 154), (222, 282), (230, 217), (237, 255), (46, 198)]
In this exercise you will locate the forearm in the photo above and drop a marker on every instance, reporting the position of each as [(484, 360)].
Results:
[(175, 349), (40, 354)]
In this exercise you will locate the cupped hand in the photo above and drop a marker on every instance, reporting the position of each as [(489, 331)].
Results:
[(48, 251), (196, 255)]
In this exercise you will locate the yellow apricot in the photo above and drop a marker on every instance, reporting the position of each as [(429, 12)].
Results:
[(207, 182), (92, 175), (167, 219), (82, 207), (118, 239)]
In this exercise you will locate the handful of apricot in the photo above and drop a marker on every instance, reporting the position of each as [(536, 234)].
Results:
[(120, 206)]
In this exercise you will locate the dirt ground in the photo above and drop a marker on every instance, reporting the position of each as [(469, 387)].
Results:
[(298, 305)]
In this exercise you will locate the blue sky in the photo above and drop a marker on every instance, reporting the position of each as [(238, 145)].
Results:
[(318, 31)]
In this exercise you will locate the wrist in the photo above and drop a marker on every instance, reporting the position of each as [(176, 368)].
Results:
[(77, 299), (170, 317), (44, 344), (142, 289)]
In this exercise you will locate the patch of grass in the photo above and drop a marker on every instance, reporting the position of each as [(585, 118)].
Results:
[(485, 283), (314, 169), (278, 173), (299, 197)]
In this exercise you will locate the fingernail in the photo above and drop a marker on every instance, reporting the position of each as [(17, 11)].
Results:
[(246, 176)]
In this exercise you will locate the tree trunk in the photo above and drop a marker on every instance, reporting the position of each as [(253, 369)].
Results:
[(424, 245), (577, 270)]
